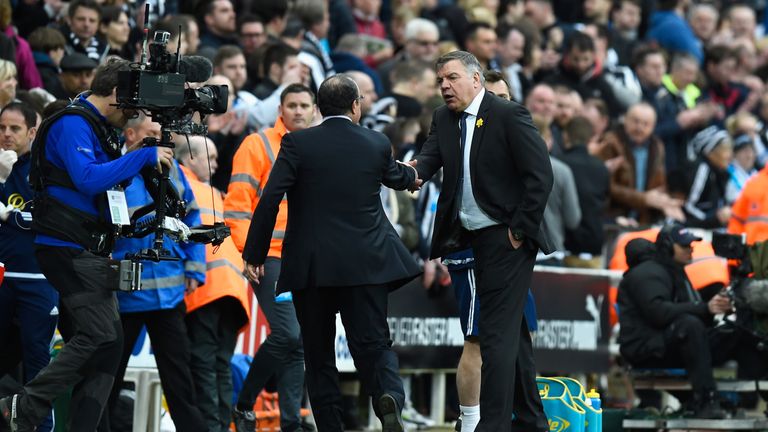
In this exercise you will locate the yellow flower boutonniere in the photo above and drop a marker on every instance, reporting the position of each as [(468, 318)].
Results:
[(479, 122)]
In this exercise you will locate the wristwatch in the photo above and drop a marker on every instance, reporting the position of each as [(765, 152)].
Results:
[(518, 235)]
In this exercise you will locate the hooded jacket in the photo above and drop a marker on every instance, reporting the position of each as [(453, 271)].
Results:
[(652, 294)]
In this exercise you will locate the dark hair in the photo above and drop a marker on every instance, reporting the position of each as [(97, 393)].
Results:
[(276, 53), (336, 95), (105, 78), (719, 53), (618, 4), (579, 130), (46, 39), (226, 52), (111, 13), (405, 71), (642, 52), (54, 107), (88, 4), (473, 27), (532, 39), (494, 76), (30, 116), (247, 19), (602, 31), (580, 41), (296, 88), (310, 12), (599, 104), (170, 25), (293, 27), (270, 9), (666, 5)]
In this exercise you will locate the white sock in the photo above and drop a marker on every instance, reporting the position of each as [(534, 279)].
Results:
[(470, 417)]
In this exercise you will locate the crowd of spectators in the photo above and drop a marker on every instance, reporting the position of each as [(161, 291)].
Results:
[(653, 110)]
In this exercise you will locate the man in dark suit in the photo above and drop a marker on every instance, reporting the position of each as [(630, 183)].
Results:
[(496, 180), (340, 253)]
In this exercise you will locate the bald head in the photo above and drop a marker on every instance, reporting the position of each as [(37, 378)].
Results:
[(367, 90), (541, 101), (639, 122), (197, 155)]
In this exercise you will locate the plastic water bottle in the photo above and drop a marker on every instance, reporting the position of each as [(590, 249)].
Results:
[(594, 397)]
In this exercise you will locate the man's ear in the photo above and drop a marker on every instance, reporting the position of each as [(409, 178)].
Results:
[(31, 133)]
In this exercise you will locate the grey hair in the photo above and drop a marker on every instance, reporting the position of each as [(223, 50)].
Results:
[(469, 61), (702, 7), (135, 122), (417, 26)]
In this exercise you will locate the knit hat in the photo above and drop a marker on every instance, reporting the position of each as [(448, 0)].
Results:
[(708, 139), (741, 141)]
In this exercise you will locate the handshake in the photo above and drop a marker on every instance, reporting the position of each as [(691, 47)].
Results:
[(416, 185)]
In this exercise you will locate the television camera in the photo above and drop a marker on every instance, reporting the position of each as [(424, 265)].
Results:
[(749, 283), (159, 87)]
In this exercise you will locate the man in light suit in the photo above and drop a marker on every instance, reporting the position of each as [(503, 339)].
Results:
[(496, 181), (340, 253)]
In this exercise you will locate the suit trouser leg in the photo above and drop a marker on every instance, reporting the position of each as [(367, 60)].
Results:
[(281, 353), (529, 411), (364, 314), (229, 326), (503, 277), (90, 357), (316, 311)]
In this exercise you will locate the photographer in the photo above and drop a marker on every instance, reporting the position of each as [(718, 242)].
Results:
[(75, 160), (665, 323)]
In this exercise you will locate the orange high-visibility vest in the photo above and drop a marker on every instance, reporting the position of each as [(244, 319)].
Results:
[(705, 269), (250, 171), (749, 213), (224, 268)]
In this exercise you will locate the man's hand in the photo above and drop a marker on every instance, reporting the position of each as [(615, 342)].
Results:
[(253, 273), (190, 285), (724, 215), (164, 157), (719, 304), (417, 182), (515, 243)]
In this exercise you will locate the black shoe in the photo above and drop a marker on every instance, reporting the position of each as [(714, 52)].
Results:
[(245, 420), (390, 414), (457, 428)]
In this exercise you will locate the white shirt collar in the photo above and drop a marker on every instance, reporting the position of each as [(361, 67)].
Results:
[(336, 116), (474, 107)]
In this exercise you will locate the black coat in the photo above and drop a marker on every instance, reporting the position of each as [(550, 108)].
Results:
[(511, 172), (337, 233), (652, 294), (593, 186)]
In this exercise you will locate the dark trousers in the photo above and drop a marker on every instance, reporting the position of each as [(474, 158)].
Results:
[(213, 334), (91, 355), (32, 304), (364, 315), (281, 354), (508, 375), (692, 345), (170, 345)]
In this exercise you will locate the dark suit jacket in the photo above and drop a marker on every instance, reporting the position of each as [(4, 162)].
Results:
[(511, 172), (337, 233)]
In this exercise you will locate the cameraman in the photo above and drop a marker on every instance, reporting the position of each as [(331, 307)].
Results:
[(665, 323), (75, 160)]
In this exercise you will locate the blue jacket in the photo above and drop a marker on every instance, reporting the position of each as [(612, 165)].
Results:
[(72, 145), (17, 250), (162, 283), (674, 34)]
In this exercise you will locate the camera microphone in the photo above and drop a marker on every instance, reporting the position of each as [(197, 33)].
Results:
[(195, 68)]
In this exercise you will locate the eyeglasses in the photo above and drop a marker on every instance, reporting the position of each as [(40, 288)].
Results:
[(360, 98), (425, 43)]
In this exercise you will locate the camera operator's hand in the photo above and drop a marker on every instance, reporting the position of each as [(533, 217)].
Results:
[(719, 304), (164, 157), (253, 273), (191, 285)]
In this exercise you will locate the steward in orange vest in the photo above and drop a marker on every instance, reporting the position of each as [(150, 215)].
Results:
[(220, 308), (749, 213)]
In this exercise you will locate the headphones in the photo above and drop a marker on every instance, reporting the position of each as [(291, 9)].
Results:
[(664, 242)]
